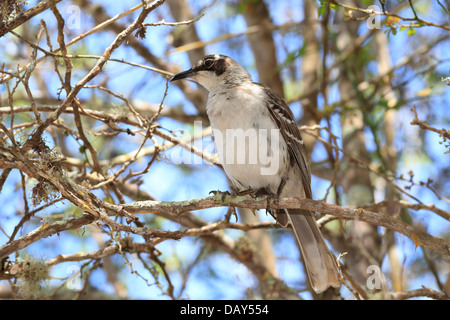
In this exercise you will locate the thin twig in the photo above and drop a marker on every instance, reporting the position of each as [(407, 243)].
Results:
[(388, 14)]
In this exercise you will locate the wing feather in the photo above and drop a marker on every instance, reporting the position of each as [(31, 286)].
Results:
[(282, 115)]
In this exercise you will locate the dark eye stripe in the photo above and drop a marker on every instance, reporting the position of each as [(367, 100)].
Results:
[(216, 64), (220, 67)]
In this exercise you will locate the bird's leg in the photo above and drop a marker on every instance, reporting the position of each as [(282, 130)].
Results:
[(280, 187), (251, 192)]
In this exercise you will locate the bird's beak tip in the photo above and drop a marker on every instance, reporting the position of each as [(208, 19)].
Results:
[(183, 75)]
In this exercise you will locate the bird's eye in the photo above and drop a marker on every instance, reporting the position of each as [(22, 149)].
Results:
[(208, 63)]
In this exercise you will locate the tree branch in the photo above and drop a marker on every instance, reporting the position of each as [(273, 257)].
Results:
[(180, 207), (27, 15), (174, 207), (424, 292)]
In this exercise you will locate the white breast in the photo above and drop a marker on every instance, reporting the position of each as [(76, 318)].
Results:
[(249, 144)]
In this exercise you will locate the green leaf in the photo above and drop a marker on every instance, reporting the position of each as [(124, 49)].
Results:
[(242, 7), (292, 56), (109, 200), (411, 31), (322, 10)]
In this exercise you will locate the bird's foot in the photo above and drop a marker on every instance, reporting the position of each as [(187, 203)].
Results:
[(222, 193), (232, 210), (270, 197), (254, 193), (236, 193)]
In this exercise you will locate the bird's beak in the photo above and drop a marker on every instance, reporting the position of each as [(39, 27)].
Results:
[(184, 74)]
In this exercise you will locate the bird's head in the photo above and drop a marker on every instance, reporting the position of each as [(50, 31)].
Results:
[(215, 70)]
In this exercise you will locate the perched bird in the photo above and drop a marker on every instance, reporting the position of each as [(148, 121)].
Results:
[(273, 162)]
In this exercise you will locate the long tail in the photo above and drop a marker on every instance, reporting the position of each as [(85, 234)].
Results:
[(320, 263)]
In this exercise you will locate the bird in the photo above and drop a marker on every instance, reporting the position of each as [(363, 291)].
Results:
[(262, 152)]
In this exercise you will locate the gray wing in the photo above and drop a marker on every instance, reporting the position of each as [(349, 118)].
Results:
[(282, 115)]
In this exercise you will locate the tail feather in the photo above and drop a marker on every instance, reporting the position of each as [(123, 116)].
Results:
[(320, 263)]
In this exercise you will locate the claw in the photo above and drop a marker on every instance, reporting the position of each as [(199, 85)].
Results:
[(264, 193), (222, 193), (271, 196), (275, 196)]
